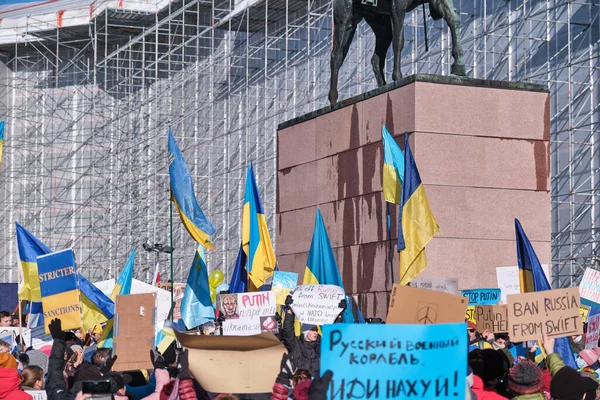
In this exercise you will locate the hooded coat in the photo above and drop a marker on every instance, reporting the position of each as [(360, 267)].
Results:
[(10, 380), (305, 355)]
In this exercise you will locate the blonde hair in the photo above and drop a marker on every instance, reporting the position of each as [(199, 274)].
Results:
[(4, 347), (30, 375)]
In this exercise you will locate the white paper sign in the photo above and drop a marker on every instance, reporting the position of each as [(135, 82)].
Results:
[(317, 304), (15, 329), (591, 339), (249, 326), (509, 282), (37, 394), (40, 340), (442, 285), (589, 288), (248, 313)]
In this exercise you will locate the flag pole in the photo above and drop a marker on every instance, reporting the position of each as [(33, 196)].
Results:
[(19, 301), (389, 235), (172, 281)]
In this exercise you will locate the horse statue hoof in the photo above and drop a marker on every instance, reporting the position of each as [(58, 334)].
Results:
[(458, 69), (333, 97)]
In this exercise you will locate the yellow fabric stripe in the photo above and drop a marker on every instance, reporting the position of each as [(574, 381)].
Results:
[(392, 188), (526, 281), (65, 306), (263, 261), (31, 282), (197, 234), (167, 340), (309, 278), (107, 330), (418, 227), (115, 292), (1, 148), (91, 315)]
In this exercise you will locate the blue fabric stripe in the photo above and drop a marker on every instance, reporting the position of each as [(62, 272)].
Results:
[(239, 279), (412, 180), (1, 130), (321, 260), (392, 154), (29, 246), (95, 295)]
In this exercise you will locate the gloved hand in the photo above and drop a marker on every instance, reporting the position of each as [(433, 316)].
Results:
[(184, 365), (289, 300), (343, 304), (278, 318), (318, 387), (109, 363), (158, 361), (286, 371), (55, 328), (221, 319)]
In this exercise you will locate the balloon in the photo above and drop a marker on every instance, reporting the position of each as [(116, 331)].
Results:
[(213, 294), (216, 278), (223, 287)]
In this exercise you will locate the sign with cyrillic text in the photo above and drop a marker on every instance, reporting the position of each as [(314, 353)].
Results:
[(589, 288), (553, 312), (494, 319), (395, 361), (482, 297), (245, 313), (58, 284), (317, 304)]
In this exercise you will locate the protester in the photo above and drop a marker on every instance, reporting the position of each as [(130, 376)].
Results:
[(5, 319), (10, 380), (160, 371), (478, 340), (4, 347), (32, 378), (488, 369), (37, 358), (568, 384)]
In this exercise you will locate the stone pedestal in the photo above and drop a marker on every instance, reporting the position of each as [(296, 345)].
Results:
[(482, 148)]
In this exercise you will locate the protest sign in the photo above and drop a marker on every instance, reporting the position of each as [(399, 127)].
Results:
[(492, 318), (584, 311), (228, 364), (9, 338), (317, 304), (509, 281), (470, 315), (589, 288), (395, 361), (58, 285), (443, 285), (40, 340), (243, 313), (553, 312), (591, 339), (483, 296), (283, 283), (178, 290), (409, 305), (37, 394), (133, 333)]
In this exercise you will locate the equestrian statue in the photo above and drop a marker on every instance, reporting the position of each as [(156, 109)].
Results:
[(386, 19)]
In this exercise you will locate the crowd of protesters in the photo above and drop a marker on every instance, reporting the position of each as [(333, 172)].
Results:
[(494, 373)]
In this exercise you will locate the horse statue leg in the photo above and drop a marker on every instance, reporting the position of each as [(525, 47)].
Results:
[(445, 8), (398, 12), (382, 27), (345, 20)]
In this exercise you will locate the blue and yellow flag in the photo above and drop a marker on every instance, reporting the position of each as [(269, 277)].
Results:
[(393, 168), (256, 241), (533, 279), (29, 248), (321, 267), (1, 139), (196, 305), (239, 279), (96, 307), (416, 223), (182, 194)]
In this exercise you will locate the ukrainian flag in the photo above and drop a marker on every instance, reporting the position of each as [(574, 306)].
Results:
[(95, 306), (533, 279), (122, 287), (321, 267), (29, 248), (196, 305), (1, 139), (416, 223), (182, 194), (256, 242), (393, 168)]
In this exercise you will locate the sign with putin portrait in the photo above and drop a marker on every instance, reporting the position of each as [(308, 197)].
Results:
[(248, 313)]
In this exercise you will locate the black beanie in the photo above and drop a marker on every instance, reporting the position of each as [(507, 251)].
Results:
[(567, 384)]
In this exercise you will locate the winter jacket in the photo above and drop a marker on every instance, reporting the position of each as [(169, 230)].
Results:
[(482, 393), (180, 389), (305, 355), (162, 378), (139, 392), (9, 385), (56, 387), (554, 363)]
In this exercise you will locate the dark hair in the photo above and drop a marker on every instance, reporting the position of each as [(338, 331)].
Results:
[(4, 314), (489, 365), (30, 375), (300, 375), (100, 356)]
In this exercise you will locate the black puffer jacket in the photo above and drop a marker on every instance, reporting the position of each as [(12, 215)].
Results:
[(305, 355), (56, 388)]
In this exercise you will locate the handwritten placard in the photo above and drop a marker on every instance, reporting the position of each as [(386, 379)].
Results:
[(244, 313), (584, 311), (509, 281), (553, 312), (442, 285), (591, 339), (492, 318), (317, 304), (395, 361), (470, 314), (589, 288), (409, 305), (482, 297)]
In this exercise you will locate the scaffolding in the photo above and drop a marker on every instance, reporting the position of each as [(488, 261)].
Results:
[(88, 91)]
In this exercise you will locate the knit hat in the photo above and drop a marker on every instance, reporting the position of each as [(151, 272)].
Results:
[(471, 325), (301, 390), (308, 327), (567, 384), (589, 356), (8, 361), (525, 378), (38, 358)]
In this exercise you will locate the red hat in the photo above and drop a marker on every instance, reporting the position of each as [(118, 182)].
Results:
[(471, 325)]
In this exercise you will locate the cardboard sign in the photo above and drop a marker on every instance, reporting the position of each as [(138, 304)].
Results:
[(228, 364), (410, 305), (482, 297), (554, 312), (442, 285), (317, 304), (584, 311), (133, 332), (589, 288), (395, 361), (492, 318), (509, 281), (591, 339), (244, 313), (60, 293)]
